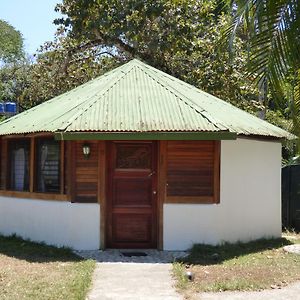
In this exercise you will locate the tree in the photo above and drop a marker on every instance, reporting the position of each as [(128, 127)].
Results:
[(273, 34), (178, 37), (13, 65), (14, 79), (11, 43), (146, 29), (57, 69)]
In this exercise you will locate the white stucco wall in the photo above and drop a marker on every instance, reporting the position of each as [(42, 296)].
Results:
[(250, 200), (250, 207), (59, 223)]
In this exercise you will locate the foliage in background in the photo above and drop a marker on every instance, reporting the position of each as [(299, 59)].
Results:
[(57, 69), (13, 64), (178, 37), (273, 36), (11, 43), (14, 79)]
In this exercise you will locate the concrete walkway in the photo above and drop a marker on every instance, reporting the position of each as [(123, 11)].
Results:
[(133, 281), (121, 277)]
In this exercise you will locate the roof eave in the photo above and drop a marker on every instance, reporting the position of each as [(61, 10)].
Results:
[(157, 135)]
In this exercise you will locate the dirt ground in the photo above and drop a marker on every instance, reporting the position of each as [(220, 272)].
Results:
[(290, 292)]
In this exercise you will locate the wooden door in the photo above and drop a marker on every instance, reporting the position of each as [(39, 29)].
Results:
[(131, 198)]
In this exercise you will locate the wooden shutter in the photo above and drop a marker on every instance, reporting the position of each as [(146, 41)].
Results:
[(3, 162), (192, 172), (85, 174)]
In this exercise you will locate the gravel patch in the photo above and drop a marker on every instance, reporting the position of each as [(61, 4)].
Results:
[(295, 249), (116, 255)]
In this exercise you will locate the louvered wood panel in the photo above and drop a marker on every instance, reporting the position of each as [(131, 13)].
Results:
[(86, 174), (191, 168), (3, 163)]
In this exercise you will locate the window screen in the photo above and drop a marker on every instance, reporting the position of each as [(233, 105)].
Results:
[(19, 165), (47, 166)]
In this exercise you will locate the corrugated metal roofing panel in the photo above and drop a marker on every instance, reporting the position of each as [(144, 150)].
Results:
[(140, 108), (219, 111), (137, 98)]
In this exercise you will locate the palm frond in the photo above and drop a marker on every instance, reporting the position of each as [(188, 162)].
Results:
[(272, 26), (295, 113), (273, 31)]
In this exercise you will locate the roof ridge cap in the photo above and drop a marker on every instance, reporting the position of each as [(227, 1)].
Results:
[(89, 103), (189, 102)]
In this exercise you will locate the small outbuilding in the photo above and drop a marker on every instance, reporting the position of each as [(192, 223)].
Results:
[(139, 159)]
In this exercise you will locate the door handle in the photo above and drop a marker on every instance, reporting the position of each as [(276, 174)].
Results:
[(152, 173), (154, 192)]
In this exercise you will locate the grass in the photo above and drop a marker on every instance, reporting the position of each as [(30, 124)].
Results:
[(255, 265), (34, 271), (292, 235)]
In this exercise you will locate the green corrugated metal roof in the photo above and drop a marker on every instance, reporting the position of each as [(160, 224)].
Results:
[(137, 98)]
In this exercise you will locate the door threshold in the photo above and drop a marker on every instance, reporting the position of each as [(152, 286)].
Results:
[(133, 253)]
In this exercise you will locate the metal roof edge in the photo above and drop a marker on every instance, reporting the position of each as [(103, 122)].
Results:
[(257, 137), (184, 136)]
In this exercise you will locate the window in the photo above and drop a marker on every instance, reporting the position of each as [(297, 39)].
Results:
[(33, 167), (19, 165), (193, 171), (47, 166), (131, 156)]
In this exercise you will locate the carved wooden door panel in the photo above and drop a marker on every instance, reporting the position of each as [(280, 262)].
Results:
[(131, 198)]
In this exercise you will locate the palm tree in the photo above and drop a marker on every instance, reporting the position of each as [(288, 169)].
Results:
[(273, 33)]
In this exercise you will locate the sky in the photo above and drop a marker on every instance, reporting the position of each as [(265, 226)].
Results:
[(33, 18)]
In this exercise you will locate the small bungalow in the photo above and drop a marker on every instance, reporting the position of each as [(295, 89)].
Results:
[(139, 159)]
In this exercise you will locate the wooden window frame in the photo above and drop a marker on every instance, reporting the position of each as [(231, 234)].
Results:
[(32, 194), (215, 198), (34, 158), (7, 165)]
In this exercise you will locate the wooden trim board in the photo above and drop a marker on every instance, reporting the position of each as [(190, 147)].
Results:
[(102, 192), (150, 136), (162, 173), (38, 196)]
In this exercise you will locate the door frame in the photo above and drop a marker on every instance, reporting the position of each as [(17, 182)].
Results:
[(160, 162)]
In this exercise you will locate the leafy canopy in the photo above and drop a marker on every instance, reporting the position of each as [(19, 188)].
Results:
[(273, 35), (179, 37), (58, 69), (11, 43)]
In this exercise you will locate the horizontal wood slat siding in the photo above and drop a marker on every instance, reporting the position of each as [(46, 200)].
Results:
[(86, 174), (192, 171), (3, 163)]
